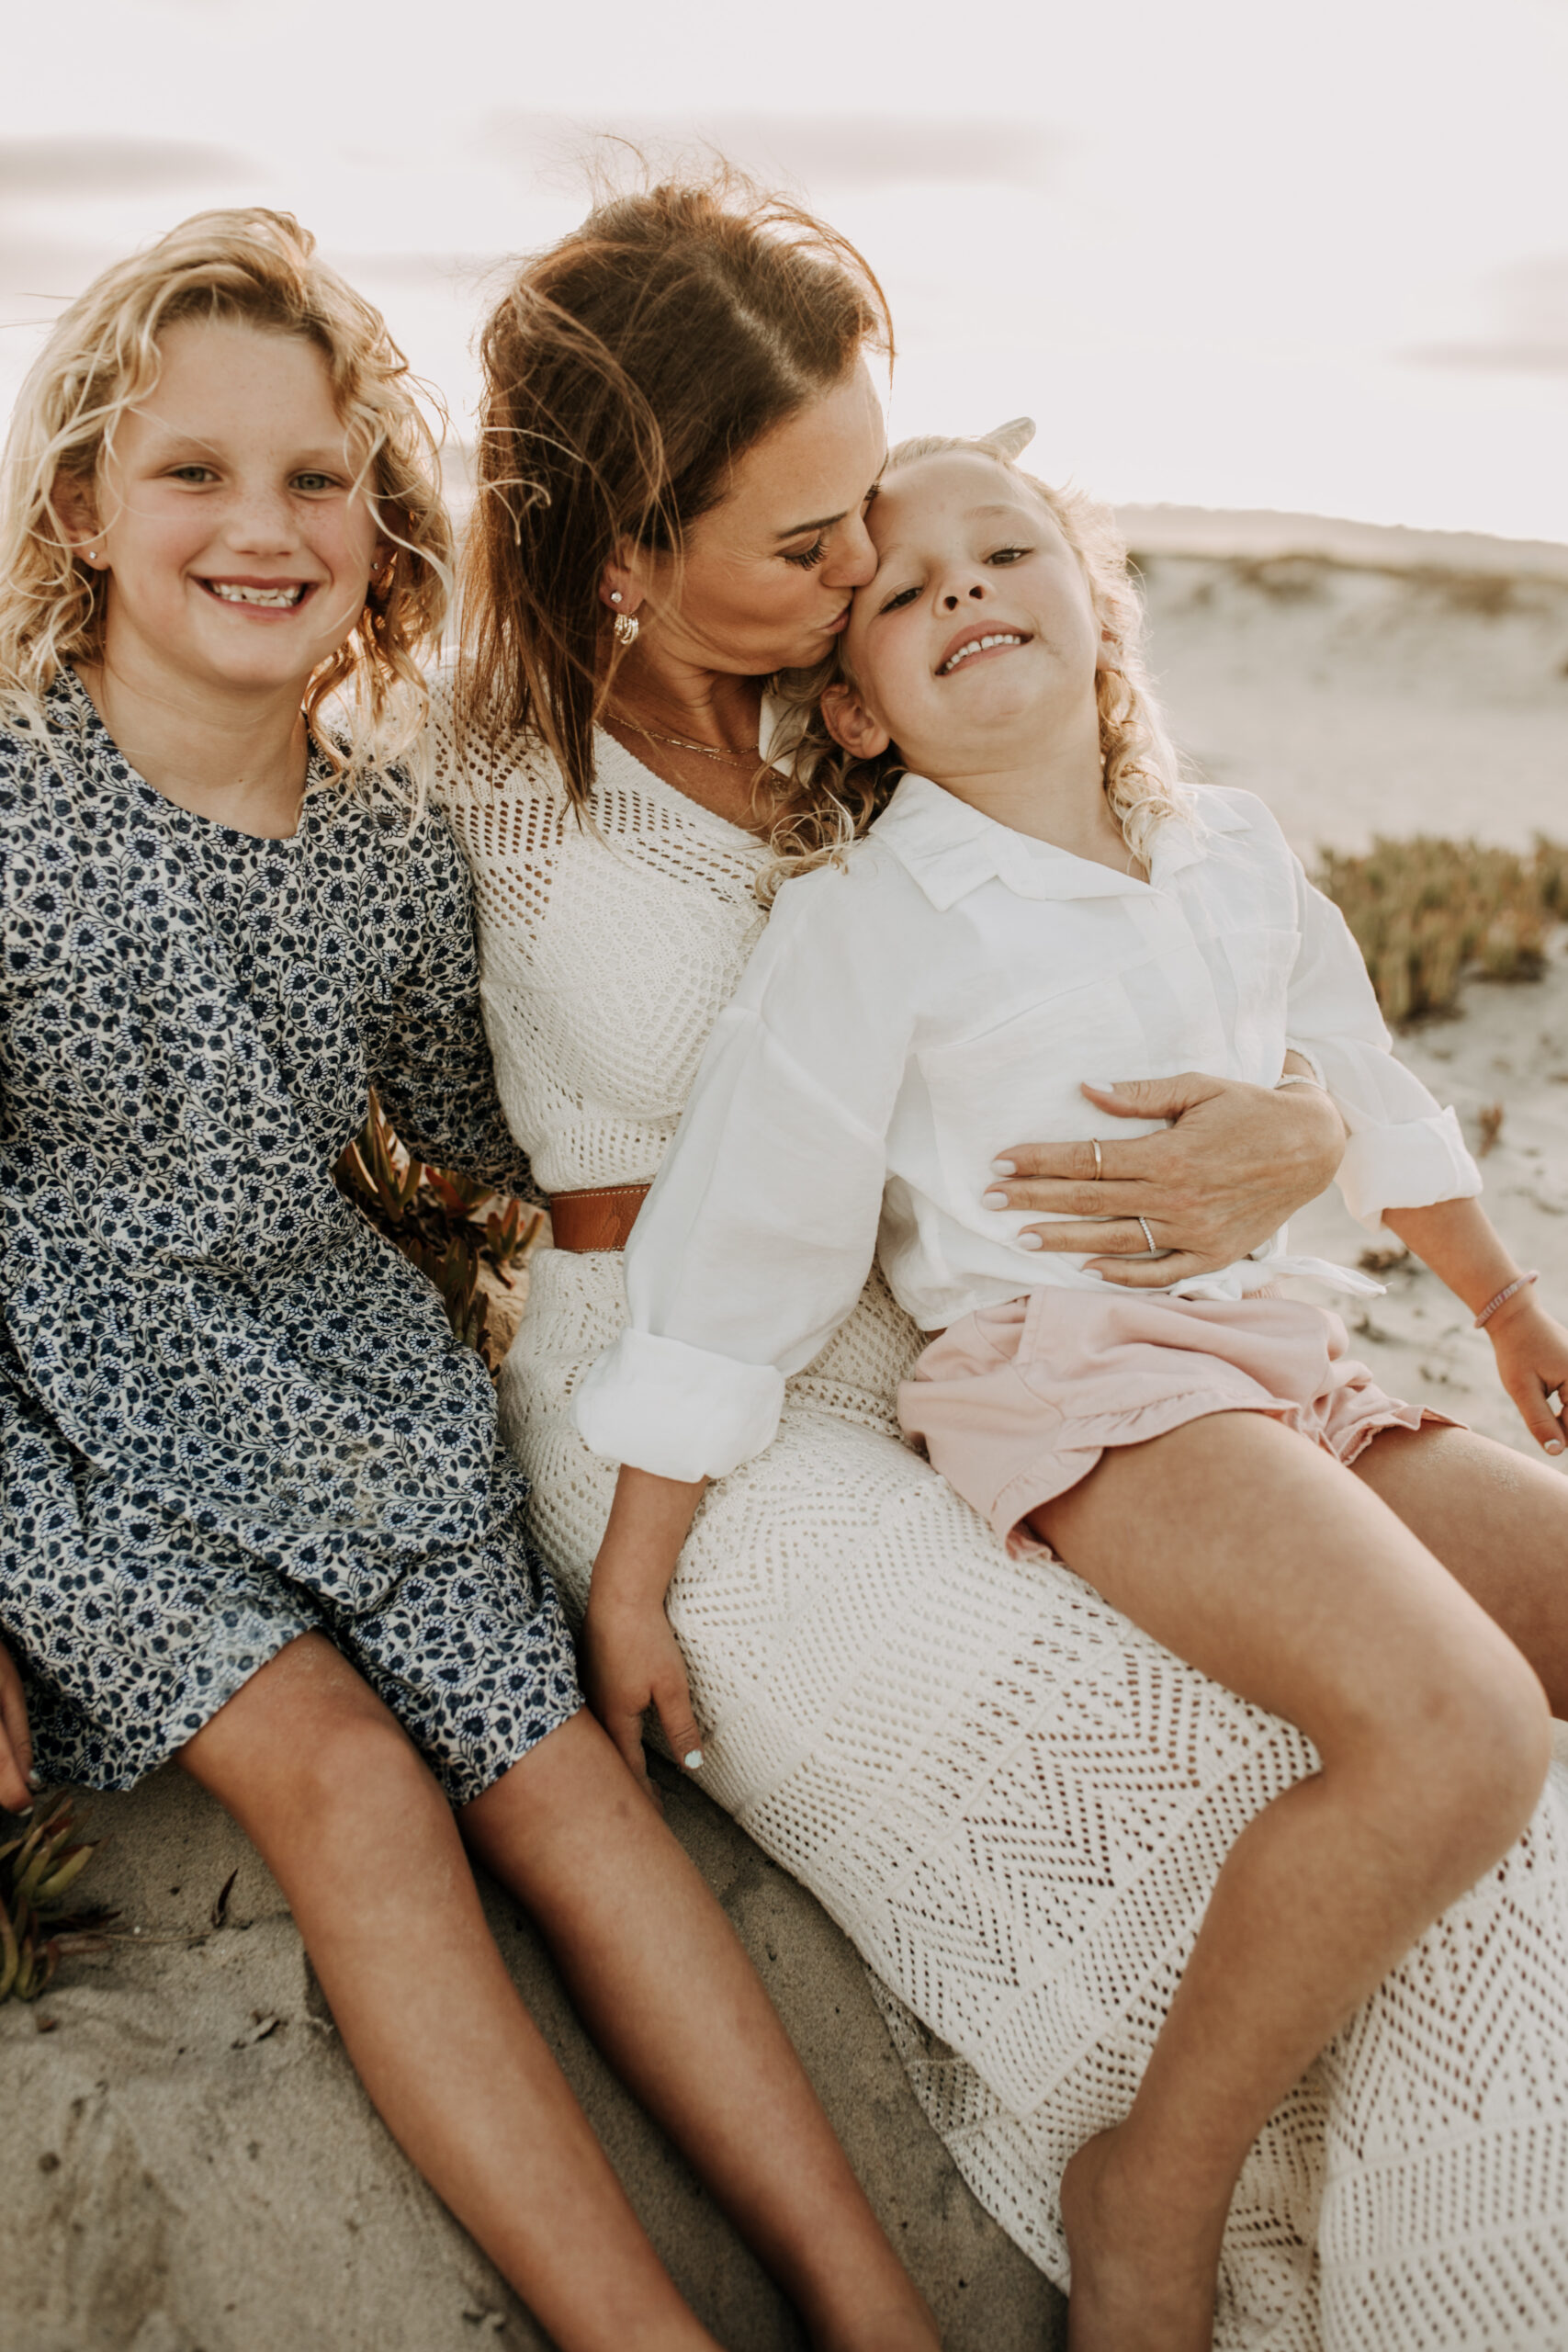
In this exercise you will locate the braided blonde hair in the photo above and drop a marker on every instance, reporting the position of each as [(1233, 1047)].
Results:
[(103, 358), (831, 797)]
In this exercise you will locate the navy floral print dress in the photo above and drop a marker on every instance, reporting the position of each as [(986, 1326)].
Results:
[(230, 1412)]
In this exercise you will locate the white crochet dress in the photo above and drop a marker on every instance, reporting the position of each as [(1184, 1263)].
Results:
[(1014, 1802)]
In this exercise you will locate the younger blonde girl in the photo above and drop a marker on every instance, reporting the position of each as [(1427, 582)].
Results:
[(1000, 890)]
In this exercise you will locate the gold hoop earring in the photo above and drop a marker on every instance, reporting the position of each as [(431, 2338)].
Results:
[(626, 626)]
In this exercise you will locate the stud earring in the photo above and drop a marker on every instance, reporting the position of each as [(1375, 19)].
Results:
[(626, 626), (615, 595)]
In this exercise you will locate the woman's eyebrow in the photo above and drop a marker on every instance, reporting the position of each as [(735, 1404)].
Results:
[(826, 522)]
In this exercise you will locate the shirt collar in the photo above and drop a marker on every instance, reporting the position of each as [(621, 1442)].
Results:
[(950, 849)]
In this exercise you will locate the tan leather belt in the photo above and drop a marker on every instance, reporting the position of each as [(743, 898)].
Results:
[(600, 1218)]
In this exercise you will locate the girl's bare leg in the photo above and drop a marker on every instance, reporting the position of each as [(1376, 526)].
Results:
[(1498, 1522), (671, 1998), (364, 1846), (1256, 1557)]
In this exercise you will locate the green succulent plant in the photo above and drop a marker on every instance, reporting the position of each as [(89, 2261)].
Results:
[(38, 1872)]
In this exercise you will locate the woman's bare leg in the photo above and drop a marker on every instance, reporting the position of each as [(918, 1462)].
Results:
[(364, 1846), (1498, 1522), (671, 1999), (1256, 1557)]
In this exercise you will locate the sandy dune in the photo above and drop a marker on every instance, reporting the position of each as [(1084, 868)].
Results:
[(187, 2164)]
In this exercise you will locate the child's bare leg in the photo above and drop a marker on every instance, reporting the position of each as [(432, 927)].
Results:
[(671, 1999), (1253, 1556), (364, 1846), (1498, 1522)]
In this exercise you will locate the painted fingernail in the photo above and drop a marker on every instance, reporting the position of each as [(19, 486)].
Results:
[(1554, 1445), (35, 1782), (692, 1760), (1003, 1167), (1029, 1241), (993, 1200), (1103, 1085)]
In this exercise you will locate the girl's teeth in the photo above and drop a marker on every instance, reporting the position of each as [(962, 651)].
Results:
[(979, 645), (232, 595)]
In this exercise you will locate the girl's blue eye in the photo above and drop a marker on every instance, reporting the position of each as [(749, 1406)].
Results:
[(809, 557), (193, 474), (312, 481), (1008, 555)]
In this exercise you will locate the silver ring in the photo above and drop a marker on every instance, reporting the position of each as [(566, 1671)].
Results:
[(1099, 1161), (1152, 1252)]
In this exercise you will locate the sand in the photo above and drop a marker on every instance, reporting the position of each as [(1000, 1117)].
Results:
[(186, 2163)]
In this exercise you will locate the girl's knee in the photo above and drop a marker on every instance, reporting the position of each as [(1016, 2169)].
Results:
[(1473, 1754)]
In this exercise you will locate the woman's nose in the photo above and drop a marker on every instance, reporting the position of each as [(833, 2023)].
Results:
[(852, 561)]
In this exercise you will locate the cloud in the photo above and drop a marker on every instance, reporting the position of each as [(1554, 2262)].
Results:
[(819, 152), (1529, 300), (96, 167)]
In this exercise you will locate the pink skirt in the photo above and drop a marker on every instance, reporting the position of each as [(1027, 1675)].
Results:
[(1015, 1404)]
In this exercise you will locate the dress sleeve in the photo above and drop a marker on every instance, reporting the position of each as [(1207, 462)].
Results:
[(758, 1235), (433, 1075), (1406, 1150)]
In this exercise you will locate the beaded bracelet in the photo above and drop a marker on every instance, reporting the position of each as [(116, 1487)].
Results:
[(1490, 1309)]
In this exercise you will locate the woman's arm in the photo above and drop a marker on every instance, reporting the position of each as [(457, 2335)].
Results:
[(1238, 1163), (630, 1659), (16, 1741), (1458, 1240)]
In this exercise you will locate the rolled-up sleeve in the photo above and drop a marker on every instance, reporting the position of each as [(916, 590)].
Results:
[(759, 1233), (1406, 1149)]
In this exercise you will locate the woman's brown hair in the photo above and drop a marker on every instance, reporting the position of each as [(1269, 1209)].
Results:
[(625, 371)]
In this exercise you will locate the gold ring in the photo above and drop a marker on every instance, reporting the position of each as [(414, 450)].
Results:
[(1099, 1162)]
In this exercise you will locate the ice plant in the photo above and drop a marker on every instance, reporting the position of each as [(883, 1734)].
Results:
[(37, 1871)]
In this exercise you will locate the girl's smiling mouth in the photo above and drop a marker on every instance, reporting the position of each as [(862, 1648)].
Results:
[(969, 647), (265, 595)]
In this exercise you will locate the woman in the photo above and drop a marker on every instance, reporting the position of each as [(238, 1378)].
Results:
[(1014, 1802)]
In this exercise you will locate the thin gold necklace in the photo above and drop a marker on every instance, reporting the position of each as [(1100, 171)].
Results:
[(688, 744)]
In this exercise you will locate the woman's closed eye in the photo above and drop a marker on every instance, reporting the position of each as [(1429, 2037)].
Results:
[(807, 557)]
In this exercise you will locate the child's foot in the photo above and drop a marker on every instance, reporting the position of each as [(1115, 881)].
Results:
[(1143, 2276)]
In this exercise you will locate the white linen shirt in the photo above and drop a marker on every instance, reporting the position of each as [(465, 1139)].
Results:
[(907, 1017)]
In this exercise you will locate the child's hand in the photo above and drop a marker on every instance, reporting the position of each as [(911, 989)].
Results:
[(16, 1743), (1532, 1361), (630, 1661)]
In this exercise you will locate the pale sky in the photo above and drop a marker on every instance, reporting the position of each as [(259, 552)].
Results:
[(1294, 254)]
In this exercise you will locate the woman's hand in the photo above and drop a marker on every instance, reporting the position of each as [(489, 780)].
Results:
[(630, 1661), (1532, 1363), (16, 1741), (1238, 1162)]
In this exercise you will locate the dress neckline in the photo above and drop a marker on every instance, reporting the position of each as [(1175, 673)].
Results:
[(94, 730), (647, 779)]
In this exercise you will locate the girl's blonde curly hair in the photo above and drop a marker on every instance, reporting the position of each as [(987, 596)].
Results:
[(830, 797), (103, 358)]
